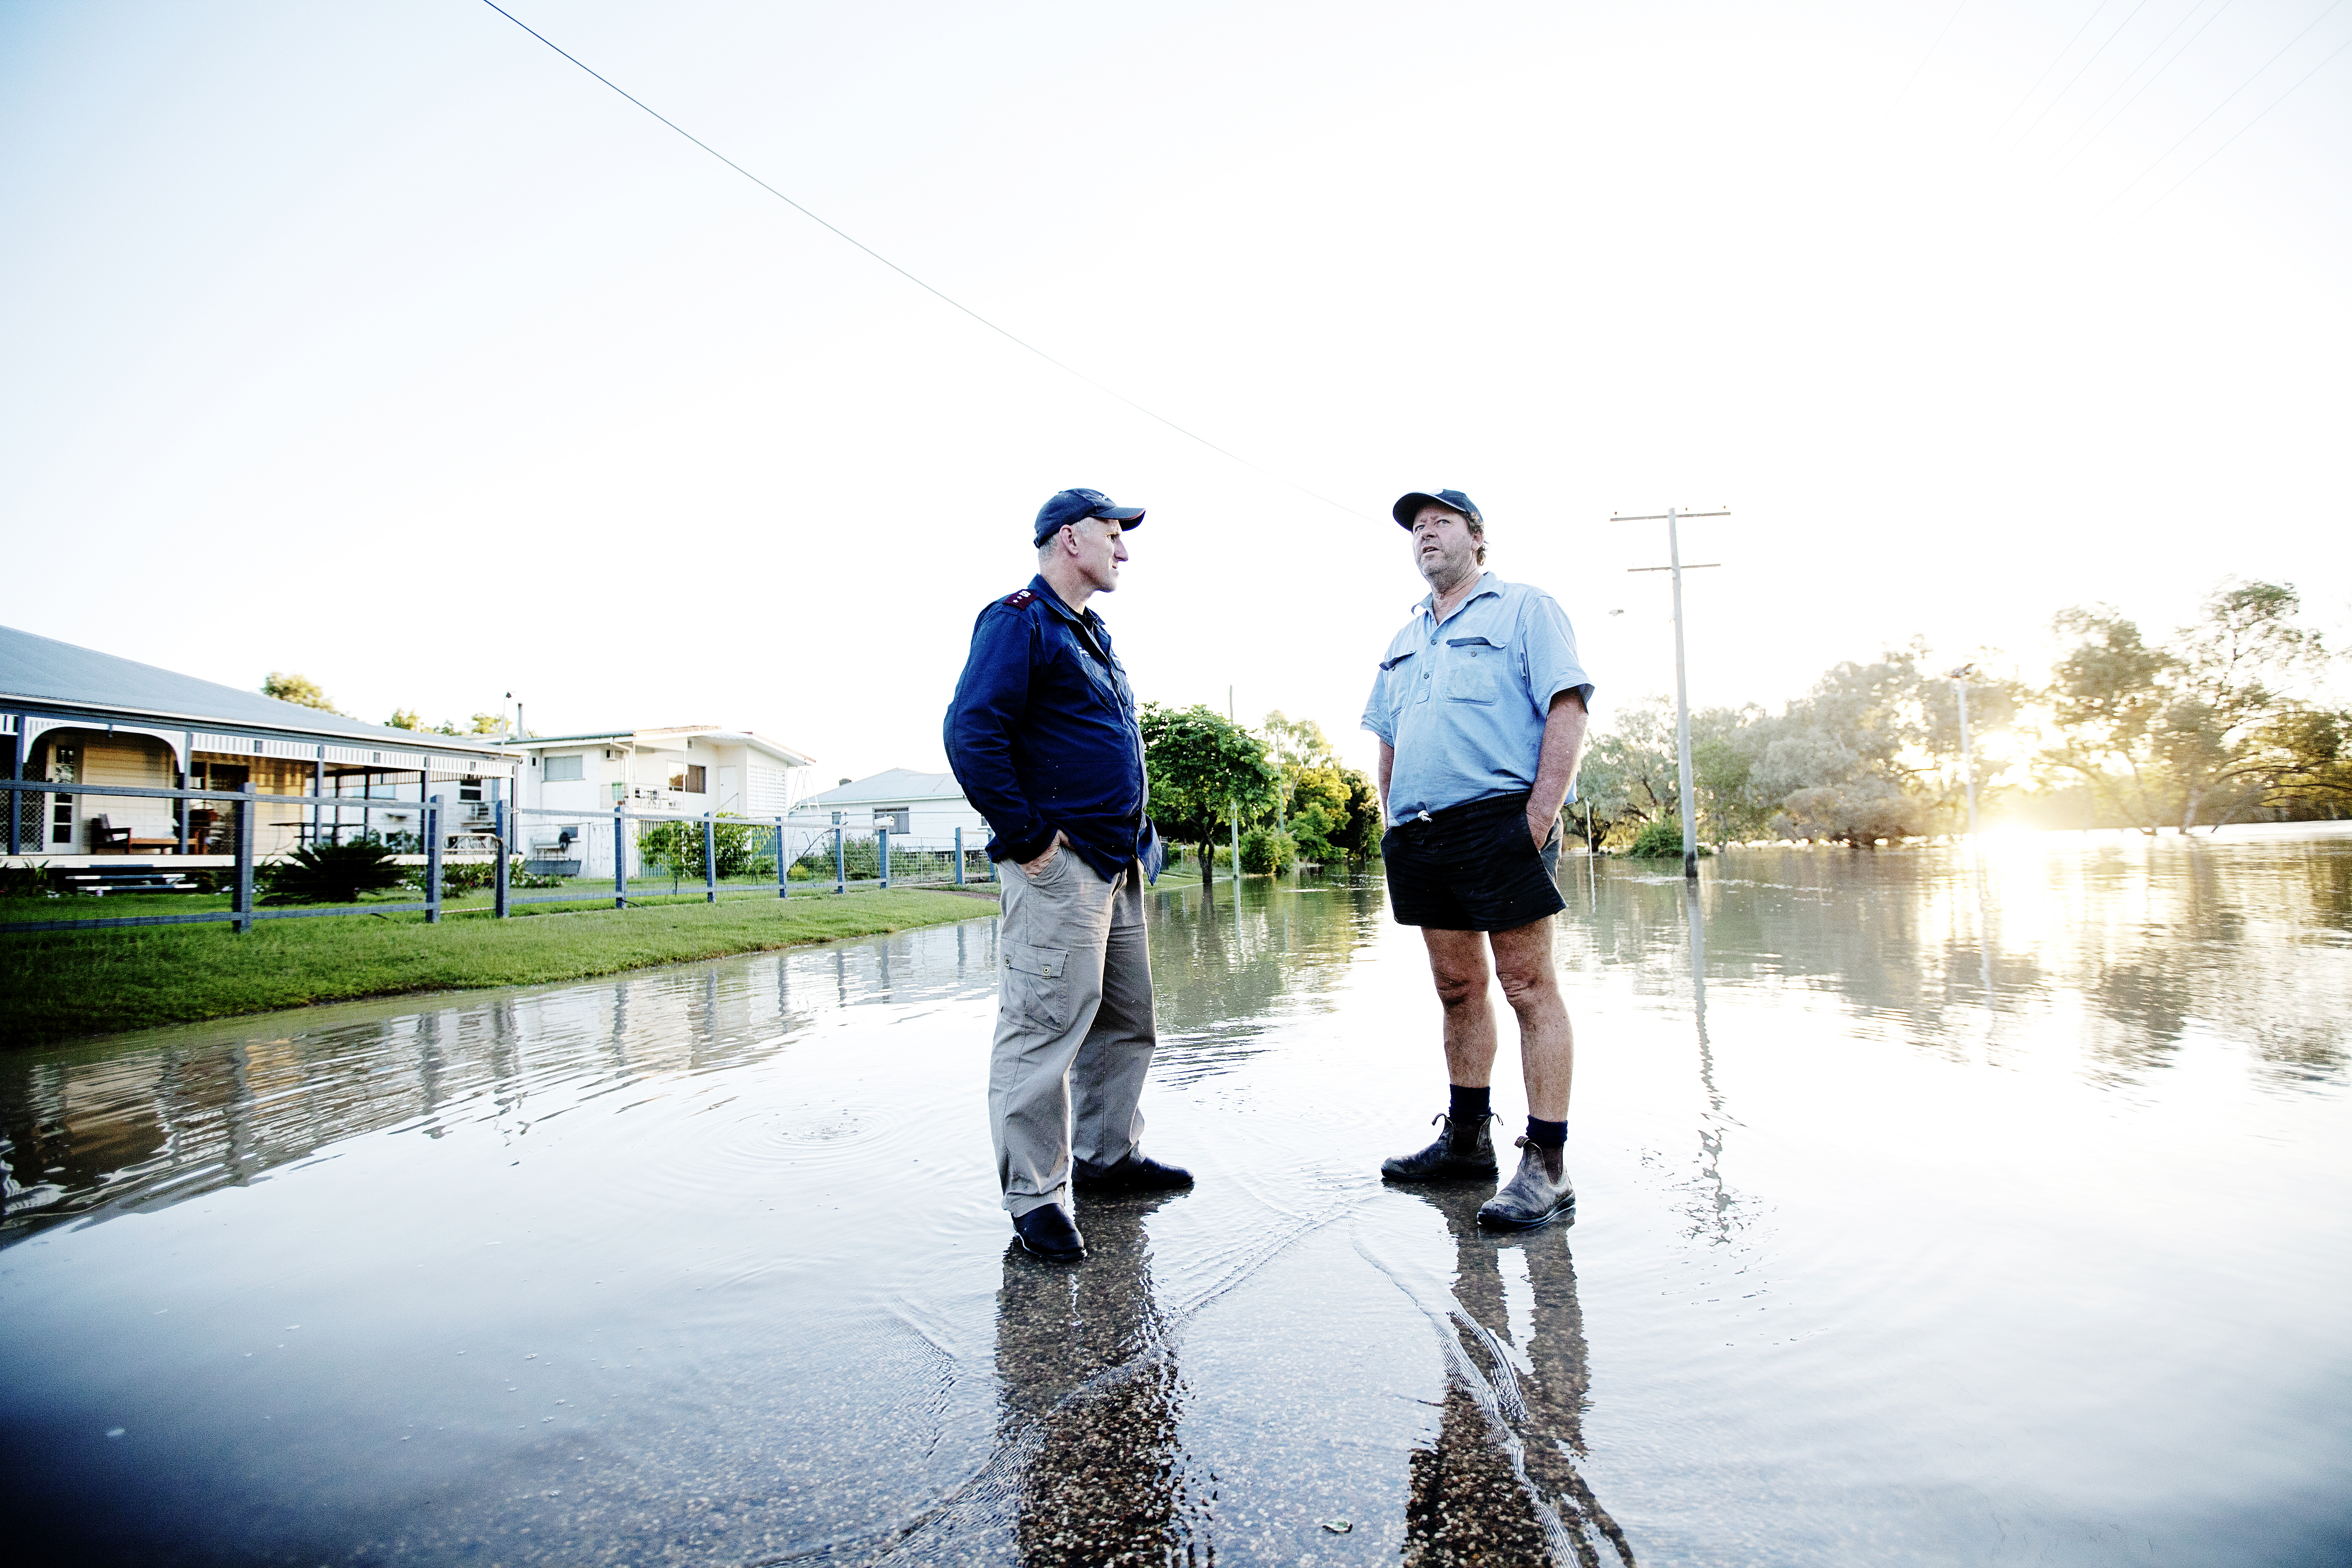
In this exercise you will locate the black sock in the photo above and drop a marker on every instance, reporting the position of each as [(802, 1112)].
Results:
[(1469, 1111), (1550, 1134)]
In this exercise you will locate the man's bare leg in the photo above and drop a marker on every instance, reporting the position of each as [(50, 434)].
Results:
[(1541, 1192), (1466, 1150), (1457, 963), (1547, 1041)]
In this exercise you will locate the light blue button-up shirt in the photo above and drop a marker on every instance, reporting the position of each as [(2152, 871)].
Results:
[(1463, 701)]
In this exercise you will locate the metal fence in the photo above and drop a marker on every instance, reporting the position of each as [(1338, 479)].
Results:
[(729, 855)]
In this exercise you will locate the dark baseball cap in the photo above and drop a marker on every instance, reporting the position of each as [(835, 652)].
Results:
[(1067, 507), (1408, 506)]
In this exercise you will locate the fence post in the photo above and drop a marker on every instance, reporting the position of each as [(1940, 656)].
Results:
[(784, 886), (884, 834), (709, 856), (620, 858), (241, 900), (431, 862), (498, 881), (959, 854), (840, 862)]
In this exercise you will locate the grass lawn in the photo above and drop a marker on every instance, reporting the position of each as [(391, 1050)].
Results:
[(62, 984)]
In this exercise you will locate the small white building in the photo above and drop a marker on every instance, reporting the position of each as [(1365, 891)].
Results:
[(919, 809), (568, 785)]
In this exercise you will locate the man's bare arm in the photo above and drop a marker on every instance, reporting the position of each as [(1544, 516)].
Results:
[(1388, 765), (1563, 746)]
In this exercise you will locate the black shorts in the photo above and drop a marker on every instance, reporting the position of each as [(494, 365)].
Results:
[(1472, 867)]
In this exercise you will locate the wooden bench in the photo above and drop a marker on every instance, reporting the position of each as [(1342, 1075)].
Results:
[(105, 839)]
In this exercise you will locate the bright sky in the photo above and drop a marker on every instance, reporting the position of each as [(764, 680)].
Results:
[(381, 343)]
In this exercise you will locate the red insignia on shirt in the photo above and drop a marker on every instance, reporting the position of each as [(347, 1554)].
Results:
[(1019, 600)]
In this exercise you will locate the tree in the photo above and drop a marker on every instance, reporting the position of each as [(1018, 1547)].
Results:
[(1322, 808), (2104, 699), (2306, 760), (2159, 733), (288, 687), (676, 846), (1628, 776), (480, 724), (1204, 771), (1292, 746)]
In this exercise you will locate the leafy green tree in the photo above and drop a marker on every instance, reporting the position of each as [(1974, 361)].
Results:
[(2307, 756), (676, 848), (1360, 838), (2159, 733), (1861, 812), (1292, 746), (1205, 771), (288, 687), (404, 719), (1268, 851), (1628, 776)]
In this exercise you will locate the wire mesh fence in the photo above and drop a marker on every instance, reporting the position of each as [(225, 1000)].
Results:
[(532, 854)]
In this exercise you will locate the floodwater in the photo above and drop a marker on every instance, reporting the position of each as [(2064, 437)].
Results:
[(1931, 1212)]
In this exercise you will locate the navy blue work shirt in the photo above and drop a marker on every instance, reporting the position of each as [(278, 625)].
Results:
[(1043, 735)]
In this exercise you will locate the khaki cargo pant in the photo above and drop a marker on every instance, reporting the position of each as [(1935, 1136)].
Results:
[(1074, 1031)]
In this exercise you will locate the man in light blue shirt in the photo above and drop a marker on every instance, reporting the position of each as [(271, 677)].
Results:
[(1480, 706)]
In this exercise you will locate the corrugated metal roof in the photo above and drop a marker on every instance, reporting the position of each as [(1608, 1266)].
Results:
[(37, 669), (892, 784), (674, 734)]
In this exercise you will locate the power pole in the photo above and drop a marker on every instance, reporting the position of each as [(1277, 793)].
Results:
[(1968, 760), (1671, 516), (1233, 805)]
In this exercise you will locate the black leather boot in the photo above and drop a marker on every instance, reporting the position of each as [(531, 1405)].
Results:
[(1047, 1232), (1463, 1155), (1134, 1173)]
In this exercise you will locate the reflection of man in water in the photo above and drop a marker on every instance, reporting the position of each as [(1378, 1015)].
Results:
[(1480, 707), (1044, 739), (1100, 1482), (1470, 1498)]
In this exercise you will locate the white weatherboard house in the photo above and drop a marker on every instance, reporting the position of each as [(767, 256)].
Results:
[(918, 808), (74, 715), (570, 784)]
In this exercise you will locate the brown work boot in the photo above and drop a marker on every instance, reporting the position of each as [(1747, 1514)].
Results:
[(1539, 1194)]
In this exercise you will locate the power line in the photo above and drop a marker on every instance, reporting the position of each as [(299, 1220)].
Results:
[(2249, 125), (2151, 81), (940, 294), (2053, 65), (1930, 54), (2060, 95), (2225, 103)]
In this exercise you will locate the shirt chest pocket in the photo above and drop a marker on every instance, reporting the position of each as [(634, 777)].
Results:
[(1405, 680), (1473, 669)]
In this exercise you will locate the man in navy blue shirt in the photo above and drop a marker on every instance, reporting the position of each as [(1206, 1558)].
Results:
[(1042, 737)]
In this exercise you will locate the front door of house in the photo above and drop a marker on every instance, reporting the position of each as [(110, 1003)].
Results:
[(65, 767), (212, 826)]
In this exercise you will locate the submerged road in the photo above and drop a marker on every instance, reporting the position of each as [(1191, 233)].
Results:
[(1931, 1211)]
